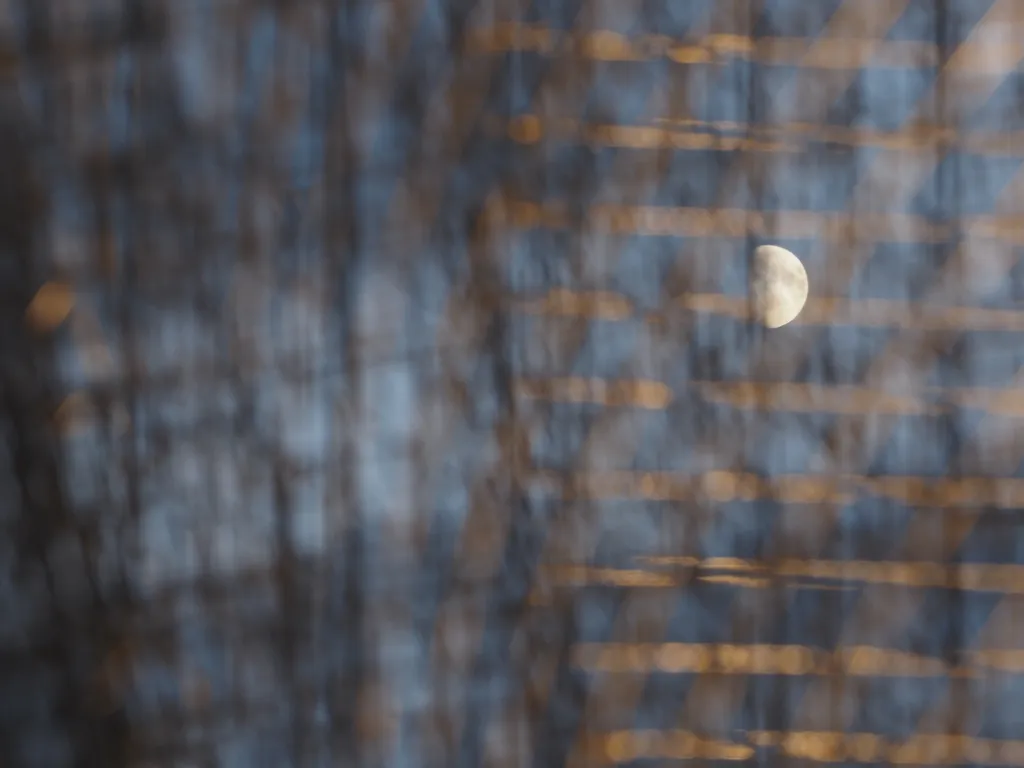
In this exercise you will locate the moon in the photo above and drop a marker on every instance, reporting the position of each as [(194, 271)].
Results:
[(778, 286)]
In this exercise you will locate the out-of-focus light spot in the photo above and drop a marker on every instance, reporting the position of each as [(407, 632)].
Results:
[(50, 306), (720, 486), (619, 747), (689, 54), (525, 130), (864, 748), (609, 46), (677, 657), (737, 581)]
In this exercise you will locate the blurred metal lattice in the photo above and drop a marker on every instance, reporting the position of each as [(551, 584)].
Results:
[(379, 386)]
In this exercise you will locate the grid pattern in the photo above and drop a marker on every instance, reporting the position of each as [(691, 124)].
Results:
[(409, 411)]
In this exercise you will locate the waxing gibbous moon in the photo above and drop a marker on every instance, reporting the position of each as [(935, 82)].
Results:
[(778, 286)]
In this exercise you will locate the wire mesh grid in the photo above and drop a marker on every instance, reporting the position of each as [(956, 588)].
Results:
[(380, 387)]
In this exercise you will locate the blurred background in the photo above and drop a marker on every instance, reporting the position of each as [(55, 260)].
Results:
[(379, 385)]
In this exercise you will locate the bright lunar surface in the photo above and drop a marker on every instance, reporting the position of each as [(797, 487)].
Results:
[(778, 286)]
